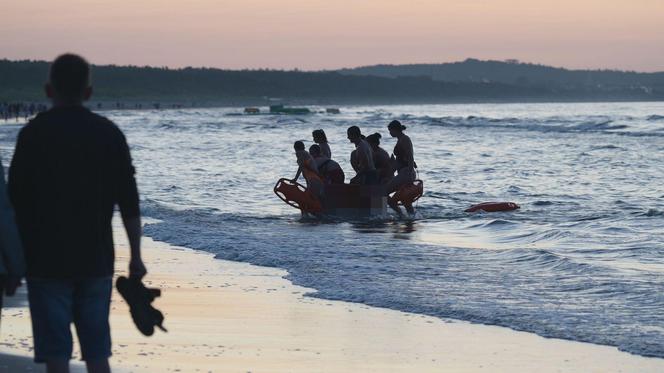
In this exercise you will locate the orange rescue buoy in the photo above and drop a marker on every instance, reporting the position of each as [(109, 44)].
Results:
[(296, 195), (493, 207), (409, 193)]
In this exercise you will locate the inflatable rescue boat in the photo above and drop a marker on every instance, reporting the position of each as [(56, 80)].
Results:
[(345, 200)]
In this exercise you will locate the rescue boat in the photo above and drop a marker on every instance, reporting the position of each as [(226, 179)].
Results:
[(345, 200)]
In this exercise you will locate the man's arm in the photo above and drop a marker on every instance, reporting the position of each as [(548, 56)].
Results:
[(411, 158), (297, 174), (134, 231), (129, 209)]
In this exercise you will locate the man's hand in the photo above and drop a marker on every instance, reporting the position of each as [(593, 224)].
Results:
[(137, 269), (13, 282)]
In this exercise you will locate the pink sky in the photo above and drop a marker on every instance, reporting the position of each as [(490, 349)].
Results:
[(316, 34)]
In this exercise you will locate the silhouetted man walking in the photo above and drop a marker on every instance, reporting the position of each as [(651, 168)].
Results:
[(70, 168), (12, 264)]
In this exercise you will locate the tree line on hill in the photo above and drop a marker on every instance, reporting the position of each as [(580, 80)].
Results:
[(23, 81), (515, 73)]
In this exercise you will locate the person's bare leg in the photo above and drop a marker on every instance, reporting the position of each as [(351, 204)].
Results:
[(395, 206), (98, 366), (409, 208), (57, 366)]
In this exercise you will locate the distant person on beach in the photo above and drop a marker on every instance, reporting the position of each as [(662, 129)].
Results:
[(12, 265), (403, 161), (366, 171), (307, 168), (70, 168), (381, 159), (327, 168), (321, 140)]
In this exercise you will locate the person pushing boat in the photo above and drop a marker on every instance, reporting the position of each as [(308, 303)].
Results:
[(328, 169), (321, 139), (366, 170), (307, 168), (404, 162), (381, 159)]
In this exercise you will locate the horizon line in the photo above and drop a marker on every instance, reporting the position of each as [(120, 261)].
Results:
[(296, 69)]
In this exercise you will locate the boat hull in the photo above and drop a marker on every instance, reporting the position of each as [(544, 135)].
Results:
[(354, 201)]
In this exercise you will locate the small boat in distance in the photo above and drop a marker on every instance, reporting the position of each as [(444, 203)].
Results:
[(281, 109), (252, 110), (332, 110)]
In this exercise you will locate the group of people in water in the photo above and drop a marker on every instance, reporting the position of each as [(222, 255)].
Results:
[(371, 163), (18, 110)]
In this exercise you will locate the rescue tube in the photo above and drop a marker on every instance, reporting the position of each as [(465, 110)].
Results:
[(409, 193), (493, 207), (296, 195)]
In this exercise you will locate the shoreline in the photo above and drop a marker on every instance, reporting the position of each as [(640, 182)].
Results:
[(232, 316)]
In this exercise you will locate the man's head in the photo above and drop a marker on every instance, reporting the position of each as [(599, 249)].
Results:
[(314, 150), (396, 128), (319, 136), (69, 80), (298, 145), (354, 134), (374, 140)]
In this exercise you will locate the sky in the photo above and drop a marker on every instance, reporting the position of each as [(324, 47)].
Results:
[(331, 34)]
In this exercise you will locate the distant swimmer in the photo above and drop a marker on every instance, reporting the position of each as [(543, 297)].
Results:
[(381, 159), (328, 169), (366, 170), (321, 140), (307, 168), (404, 162)]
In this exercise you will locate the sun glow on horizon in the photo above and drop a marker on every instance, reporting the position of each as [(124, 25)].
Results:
[(315, 34)]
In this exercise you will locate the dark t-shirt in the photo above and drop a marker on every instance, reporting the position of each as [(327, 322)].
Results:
[(70, 168)]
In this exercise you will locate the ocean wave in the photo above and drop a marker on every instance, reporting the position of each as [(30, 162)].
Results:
[(599, 124), (650, 213), (535, 290)]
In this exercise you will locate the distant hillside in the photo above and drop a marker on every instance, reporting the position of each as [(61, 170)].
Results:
[(515, 73), (23, 81)]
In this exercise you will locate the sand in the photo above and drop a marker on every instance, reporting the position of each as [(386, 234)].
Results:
[(232, 317)]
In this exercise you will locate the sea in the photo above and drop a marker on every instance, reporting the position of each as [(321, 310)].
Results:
[(582, 259)]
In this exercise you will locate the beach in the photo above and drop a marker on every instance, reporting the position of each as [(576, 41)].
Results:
[(224, 316)]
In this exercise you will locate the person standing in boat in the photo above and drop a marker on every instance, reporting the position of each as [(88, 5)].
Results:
[(321, 140), (366, 170), (381, 159), (328, 169), (404, 162), (307, 168)]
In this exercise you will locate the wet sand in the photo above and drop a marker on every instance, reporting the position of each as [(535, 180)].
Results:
[(232, 317)]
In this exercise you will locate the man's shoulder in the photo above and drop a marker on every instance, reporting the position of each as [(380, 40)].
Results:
[(72, 117), (105, 123)]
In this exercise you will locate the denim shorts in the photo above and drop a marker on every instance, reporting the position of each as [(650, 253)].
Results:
[(55, 304)]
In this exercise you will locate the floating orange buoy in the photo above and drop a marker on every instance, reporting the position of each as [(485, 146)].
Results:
[(296, 195), (409, 193), (494, 207)]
